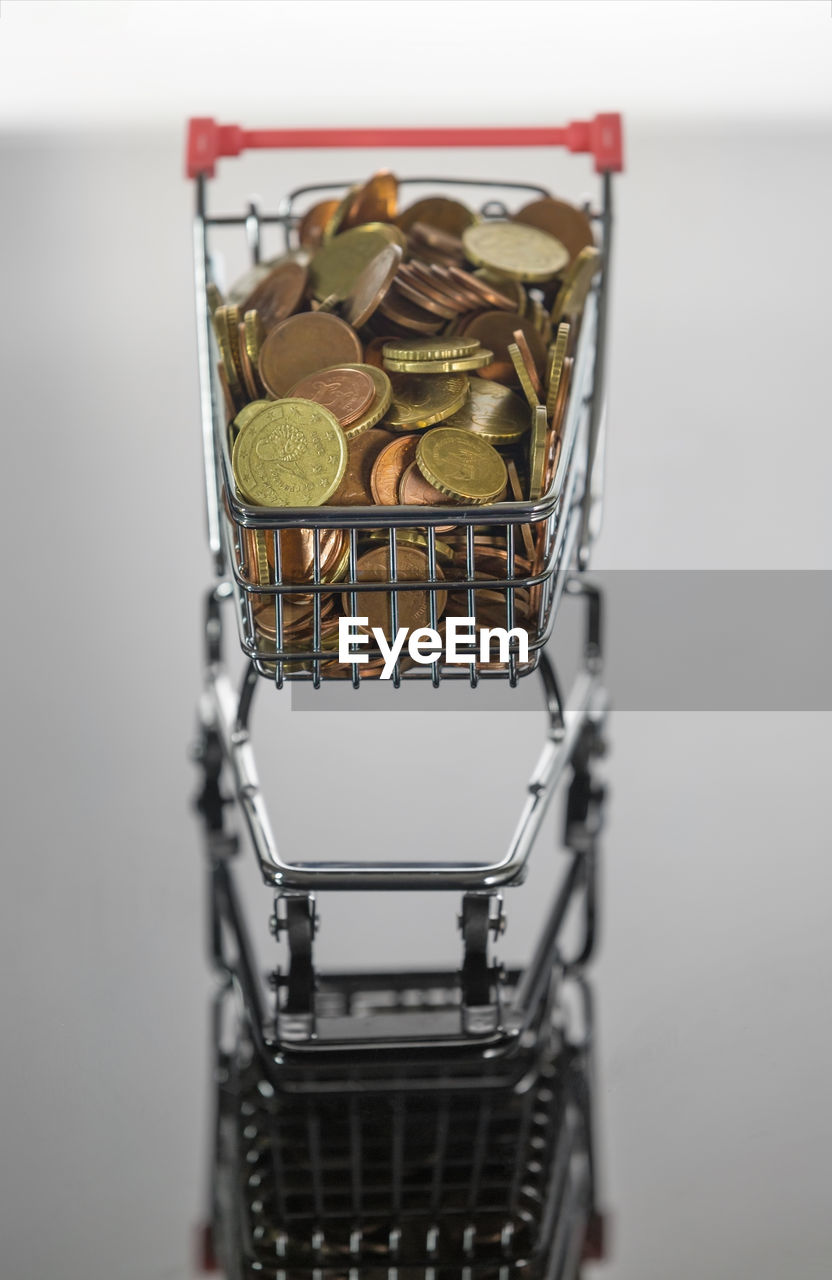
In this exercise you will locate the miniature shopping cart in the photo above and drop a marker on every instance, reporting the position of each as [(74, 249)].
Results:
[(404, 1123)]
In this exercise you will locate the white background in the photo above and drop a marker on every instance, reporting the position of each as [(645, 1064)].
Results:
[(106, 64), (712, 1078)]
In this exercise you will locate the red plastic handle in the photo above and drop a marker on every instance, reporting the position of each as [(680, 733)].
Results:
[(207, 140)]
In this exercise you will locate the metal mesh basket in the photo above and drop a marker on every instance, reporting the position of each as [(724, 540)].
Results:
[(295, 570)]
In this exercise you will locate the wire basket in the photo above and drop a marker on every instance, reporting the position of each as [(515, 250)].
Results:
[(295, 571)]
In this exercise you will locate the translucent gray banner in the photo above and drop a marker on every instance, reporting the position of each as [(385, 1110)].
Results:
[(689, 640)]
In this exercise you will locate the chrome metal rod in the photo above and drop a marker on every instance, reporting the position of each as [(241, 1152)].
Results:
[(586, 699), (206, 382)]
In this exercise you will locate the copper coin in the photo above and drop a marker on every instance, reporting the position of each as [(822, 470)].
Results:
[(555, 436), (374, 351), (564, 221), (249, 375), (419, 274), (297, 619), (356, 488), (528, 361), (408, 315), (297, 552), (496, 330), (413, 607), (448, 278), (279, 295), (345, 392), (427, 301), (440, 241), (489, 294), (438, 211), (389, 467), (372, 286), (313, 223), (415, 491), (303, 344), (376, 201)]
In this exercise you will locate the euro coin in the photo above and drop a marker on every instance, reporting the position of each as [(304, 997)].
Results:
[(375, 201), (421, 400), (560, 219), (431, 349), (279, 294), (380, 403), (463, 364), (413, 607), (304, 344), (364, 450), (336, 267), (292, 454), (372, 285), (558, 349), (492, 412), (572, 295), (314, 222), (523, 374), (446, 215), (537, 452), (496, 330), (514, 250), (462, 465), (388, 468), (345, 391)]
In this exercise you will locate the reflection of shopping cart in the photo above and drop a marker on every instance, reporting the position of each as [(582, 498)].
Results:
[(403, 1124)]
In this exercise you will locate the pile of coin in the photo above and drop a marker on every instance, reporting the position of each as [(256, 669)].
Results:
[(418, 357)]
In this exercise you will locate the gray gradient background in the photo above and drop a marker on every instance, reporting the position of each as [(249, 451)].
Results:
[(714, 1050)]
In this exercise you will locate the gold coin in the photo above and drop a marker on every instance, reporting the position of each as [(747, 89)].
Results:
[(262, 558), (515, 250), (254, 335), (537, 451), (337, 217), (492, 412), (430, 348), (461, 365), (462, 465), (249, 281), (226, 322), (411, 538), (389, 230), (314, 222), (380, 403), (420, 401), (376, 200), (250, 412), (541, 320), (292, 454), (558, 356), (512, 289), (572, 294), (213, 297), (564, 221), (447, 215), (372, 285), (337, 265), (523, 374)]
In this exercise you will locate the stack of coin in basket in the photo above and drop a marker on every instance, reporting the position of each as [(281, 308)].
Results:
[(421, 358)]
